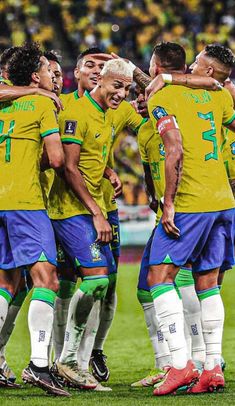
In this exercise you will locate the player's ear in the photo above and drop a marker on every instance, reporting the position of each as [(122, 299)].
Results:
[(76, 73), (210, 71), (35, 77)]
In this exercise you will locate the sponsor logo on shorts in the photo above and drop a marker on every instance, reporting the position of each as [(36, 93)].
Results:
[(95, 252), (172, 328), (42, 335), (70, 127), (159, 112)]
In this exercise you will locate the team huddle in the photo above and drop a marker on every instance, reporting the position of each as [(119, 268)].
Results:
[(59, 217)]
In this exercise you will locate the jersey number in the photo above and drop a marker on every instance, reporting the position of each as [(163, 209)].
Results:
[(210, 135), (6, 137)]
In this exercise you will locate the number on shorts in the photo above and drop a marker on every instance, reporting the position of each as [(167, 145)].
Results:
[(209, 135)]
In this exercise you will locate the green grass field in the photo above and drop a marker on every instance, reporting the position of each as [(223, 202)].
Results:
[(129, 356)]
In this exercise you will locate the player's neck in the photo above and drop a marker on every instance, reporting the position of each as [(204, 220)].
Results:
[(96, 95)]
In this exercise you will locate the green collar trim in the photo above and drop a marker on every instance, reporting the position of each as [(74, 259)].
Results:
[(76, 95), (87, 94)]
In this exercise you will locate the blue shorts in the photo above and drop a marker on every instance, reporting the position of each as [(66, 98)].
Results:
[(144, 266), (26, 237), (206, 241), (113, 220), (77, 237)]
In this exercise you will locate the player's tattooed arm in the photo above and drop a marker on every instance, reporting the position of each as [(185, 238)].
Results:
[(76, 181), (150, 188), (173, 171), (188, 80), (141, 78)]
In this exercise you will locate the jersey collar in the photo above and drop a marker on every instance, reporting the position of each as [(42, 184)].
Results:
[(76, 95), (97, 106)]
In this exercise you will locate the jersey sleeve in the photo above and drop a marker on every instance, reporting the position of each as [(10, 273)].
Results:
[(49, 120), (72, 126), (228, 110), (129, 118)]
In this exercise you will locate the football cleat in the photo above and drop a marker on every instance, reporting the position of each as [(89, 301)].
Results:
[(98, 365), (209, 381), (155, 376), (6, 383), (42, 378), (7, 371), (78, 378), (176, 378), (99, 387)]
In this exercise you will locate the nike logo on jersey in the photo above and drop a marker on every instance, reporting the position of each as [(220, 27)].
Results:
[(97, 135)]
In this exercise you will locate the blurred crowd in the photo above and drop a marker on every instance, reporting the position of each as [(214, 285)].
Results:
[(129, 28)]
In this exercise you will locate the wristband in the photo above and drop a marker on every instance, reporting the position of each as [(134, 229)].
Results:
[(132, 66), (167, 77)]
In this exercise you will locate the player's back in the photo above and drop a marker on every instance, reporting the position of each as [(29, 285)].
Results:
[(204, 185), (23, 124)]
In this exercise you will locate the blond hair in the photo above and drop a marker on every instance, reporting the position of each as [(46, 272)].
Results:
[(117, 67)]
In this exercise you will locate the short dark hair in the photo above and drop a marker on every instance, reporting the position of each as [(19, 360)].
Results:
[(89, 51), (6, 56), (172, 56), (23, 63), (53, 56), (221, 54)]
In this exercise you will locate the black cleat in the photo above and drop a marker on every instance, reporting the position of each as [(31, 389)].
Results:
[(98, 366), (6, 383), (42, 378)]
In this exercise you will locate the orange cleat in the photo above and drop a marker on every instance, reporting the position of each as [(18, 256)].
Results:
[(176, 378), (209, 381)]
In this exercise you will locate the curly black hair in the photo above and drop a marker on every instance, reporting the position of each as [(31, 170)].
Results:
[(23, 63), (221, 53), (89, 51), (53, 56), (6, 56), (172, 56)]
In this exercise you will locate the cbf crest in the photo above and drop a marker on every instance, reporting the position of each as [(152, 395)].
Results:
[(95, 252)]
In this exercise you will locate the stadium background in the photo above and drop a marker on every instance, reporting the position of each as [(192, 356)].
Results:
[(129, 28)]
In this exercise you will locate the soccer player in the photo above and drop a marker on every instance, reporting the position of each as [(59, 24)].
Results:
[(192, 222), (87, 129), (27, 237)]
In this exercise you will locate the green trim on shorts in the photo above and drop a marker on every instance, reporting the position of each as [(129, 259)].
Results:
[(167, 260), (44, 295), (144, 296), (19, 298), (6, 294), (159, 290), (184, 278), (66, 289), (42, 258), (204, 294)]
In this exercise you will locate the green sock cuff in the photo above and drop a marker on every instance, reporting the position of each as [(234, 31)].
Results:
[(144, 296), (19, 298), (204, 294), (184, 278), (6, 294), (95, 285), (66, 289), (160, 289), (44, 295)]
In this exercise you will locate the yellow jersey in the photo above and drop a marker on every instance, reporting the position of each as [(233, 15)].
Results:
[(24, 123), (85, 123), (228, 152), (204, 186), (124, 116)]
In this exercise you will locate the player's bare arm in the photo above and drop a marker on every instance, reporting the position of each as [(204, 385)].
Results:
[(54, 151), (173, 171), (188, 80), (76, 181), (115, 181)]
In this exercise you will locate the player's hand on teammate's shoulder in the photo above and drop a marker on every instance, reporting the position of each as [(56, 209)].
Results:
[(53, 96), (154, 86)]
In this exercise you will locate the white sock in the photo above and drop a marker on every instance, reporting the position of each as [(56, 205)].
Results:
[(3, 311), (59, 325), (8, 326), (169, 312), (88, 338), (160, 345), (79, 309), (188, 340), (108, 309), (192, 314), (212, 327), (40, 321)]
